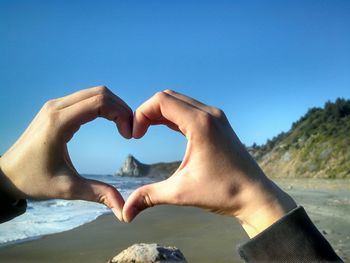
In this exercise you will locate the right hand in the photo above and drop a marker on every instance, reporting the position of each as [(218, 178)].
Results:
[(216, 173)]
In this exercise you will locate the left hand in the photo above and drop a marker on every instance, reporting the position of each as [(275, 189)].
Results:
[(38, 165)]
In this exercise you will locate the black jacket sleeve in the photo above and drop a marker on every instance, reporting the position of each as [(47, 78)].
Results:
[(294, 238), (10, 208)]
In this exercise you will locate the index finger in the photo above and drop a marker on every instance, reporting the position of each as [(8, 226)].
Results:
[(101, 105), (84, 94), (164, 108)]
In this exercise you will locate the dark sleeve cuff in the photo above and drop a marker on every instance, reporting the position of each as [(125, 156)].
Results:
[(294, 238), (9, 209)]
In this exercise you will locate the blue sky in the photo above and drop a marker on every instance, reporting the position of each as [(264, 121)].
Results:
[(263, 62)]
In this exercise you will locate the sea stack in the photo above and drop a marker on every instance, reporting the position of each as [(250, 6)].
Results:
[(134, 168)]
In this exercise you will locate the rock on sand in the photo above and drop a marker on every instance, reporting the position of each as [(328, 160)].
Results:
[(149, 253)]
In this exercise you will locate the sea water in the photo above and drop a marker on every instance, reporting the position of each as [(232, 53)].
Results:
[(53, 216)]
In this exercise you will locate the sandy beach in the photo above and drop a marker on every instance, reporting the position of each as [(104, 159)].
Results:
[(327, 202), (202, 237)]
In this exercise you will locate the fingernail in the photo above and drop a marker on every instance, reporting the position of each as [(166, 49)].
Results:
[(117, 213)]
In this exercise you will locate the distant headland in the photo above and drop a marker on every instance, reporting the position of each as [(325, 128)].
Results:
[(134, 168)]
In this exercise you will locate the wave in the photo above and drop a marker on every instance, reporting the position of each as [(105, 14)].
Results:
[(54, 216)]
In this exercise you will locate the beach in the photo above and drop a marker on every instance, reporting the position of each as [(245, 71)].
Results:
[(201, 236)]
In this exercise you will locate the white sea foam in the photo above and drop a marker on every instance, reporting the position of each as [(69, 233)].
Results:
[(53, 216)]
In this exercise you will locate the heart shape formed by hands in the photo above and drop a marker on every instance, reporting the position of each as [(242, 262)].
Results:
[(216, 173)]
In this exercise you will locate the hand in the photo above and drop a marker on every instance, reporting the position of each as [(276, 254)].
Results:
[(217, 173), (38, 165)]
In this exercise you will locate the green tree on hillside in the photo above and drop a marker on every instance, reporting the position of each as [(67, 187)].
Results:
[(318, 143)]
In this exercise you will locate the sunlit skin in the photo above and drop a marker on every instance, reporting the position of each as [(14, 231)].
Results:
[(38, 165), (217, 173)]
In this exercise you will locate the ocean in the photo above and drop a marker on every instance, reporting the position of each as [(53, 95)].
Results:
[(54, 216)]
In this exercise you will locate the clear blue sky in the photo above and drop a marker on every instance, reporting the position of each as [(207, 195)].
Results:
[(263, 62)]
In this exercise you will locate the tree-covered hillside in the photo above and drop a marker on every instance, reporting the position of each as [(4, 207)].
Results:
[(317, 145)]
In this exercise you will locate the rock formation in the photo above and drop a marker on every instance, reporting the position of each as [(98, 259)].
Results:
[(149, 253), (134, 168)]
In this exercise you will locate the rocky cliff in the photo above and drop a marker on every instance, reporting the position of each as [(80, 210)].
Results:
[(134, 168)]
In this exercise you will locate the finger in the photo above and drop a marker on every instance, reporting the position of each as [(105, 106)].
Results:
[(143, 121), (96, 191), (148, 196), (87, 110), (192, 101), (163, 108), (85, 94), (75, 97)]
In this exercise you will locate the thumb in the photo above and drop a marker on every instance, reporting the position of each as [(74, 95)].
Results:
[(148, 196), (96, 191)]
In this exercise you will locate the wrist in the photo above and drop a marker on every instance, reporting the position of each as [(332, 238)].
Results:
[(262, 204)]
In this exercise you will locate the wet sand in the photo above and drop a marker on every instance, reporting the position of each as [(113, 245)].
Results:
[(202, 237)]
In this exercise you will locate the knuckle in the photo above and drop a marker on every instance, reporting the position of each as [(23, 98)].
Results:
[(102, 103), (51, 113), (146, 199), (207, 124), (169, 91), (219, 113), (101, 100), (50, 105), (102, 90), (160, 96), (204, 119), (106, 196)]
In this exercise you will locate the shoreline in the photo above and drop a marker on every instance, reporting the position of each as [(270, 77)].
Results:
[(33, 238), (201, 236)]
